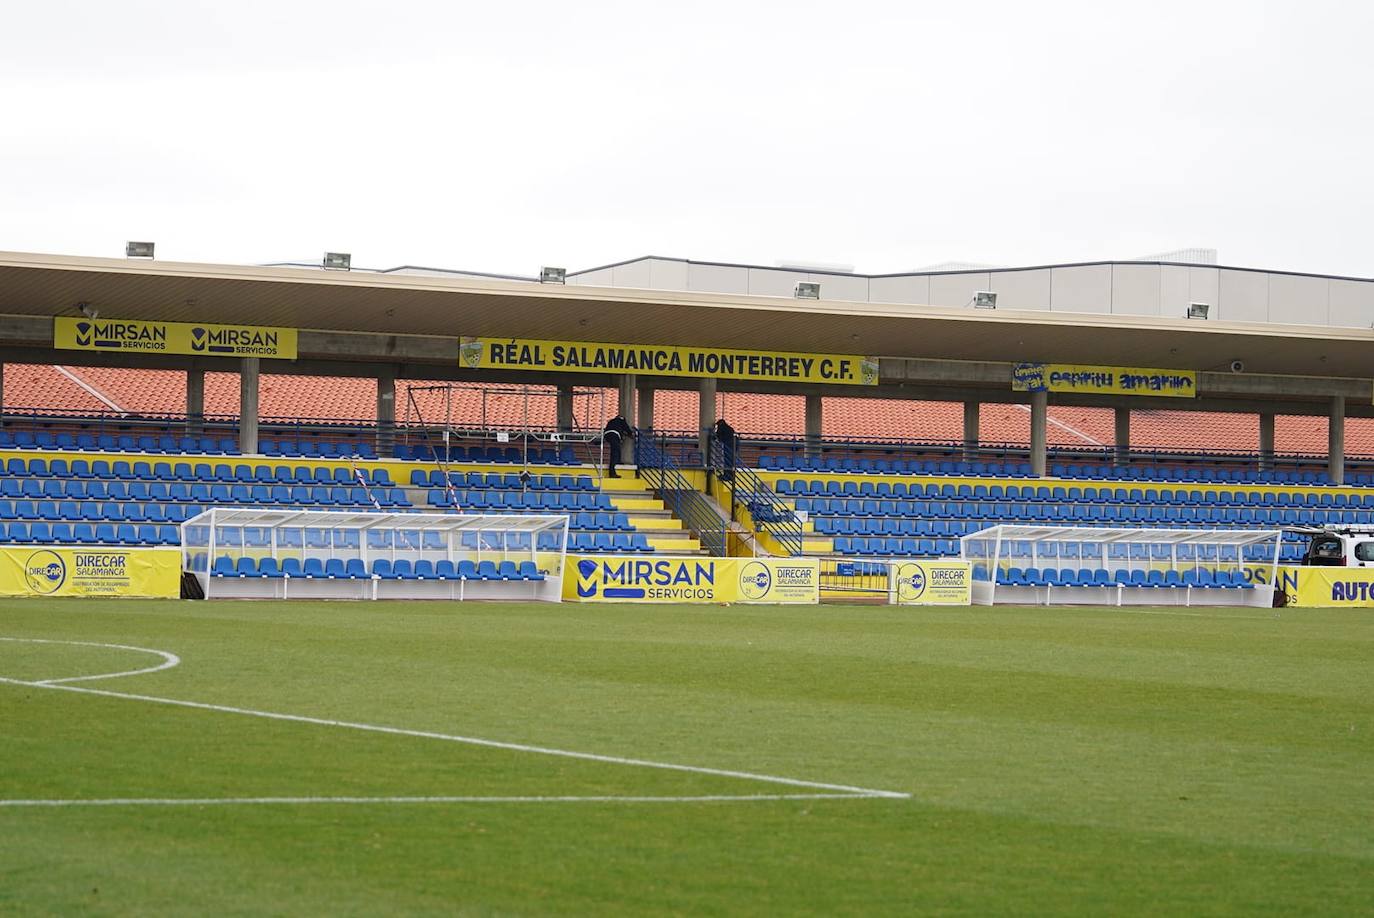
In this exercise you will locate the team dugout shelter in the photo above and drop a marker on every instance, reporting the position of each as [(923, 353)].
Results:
[(1128, 336)]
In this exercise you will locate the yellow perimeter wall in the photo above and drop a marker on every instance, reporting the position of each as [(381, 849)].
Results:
[(693, 579), (130, 573)]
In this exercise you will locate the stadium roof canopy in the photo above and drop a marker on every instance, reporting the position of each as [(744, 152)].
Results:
[(398, 305)]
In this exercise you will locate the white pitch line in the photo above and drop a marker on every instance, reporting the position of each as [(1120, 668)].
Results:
[(1215, 618), (300, 801), (168, 659)]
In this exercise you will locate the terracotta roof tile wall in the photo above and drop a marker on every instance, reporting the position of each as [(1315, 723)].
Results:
[(45, 388), (40, 387)]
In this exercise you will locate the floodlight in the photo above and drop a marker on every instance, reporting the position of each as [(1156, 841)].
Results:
[(138, 250), (337, 261), (807, 291), (1198, 310), (553, 275), (985, 299)]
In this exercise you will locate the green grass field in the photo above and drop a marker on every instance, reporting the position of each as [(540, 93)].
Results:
[(1089, 761)]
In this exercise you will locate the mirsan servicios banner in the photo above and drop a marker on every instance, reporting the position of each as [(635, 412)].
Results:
[(634, 578), (193, 339)]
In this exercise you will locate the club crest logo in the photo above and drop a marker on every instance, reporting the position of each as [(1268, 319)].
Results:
[(755, 581), (45, 572), (586, 578), (911, 582)]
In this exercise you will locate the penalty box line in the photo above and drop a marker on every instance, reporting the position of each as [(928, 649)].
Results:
[(307, 801), (842, 789)]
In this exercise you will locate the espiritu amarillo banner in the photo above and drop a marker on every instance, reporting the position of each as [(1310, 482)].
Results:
[(666, 360), (132, 573), (1068, 377), (635, 578), (193, 339), (931, 583)]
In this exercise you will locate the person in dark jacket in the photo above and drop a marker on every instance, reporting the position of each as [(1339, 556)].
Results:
[(729, 444), (617, 431)]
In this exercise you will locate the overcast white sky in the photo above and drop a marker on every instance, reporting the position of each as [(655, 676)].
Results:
[(503, 136)]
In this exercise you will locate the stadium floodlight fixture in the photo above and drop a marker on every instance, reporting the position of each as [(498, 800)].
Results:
[(553, 275), (985, 299), (138, 250), (337, 261), (1198, 310), (807, 291)]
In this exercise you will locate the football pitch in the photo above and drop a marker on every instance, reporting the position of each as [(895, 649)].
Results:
[(403, 758)]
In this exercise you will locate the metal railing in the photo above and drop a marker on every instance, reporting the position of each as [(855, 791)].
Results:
[(770, 513), (696, 511)]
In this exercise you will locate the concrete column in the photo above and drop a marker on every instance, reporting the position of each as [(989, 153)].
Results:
[(706, 413), (1266, 441), (626, 407), (248, 406), (1123, 435), (2, 393), (815, 418), (1039, 405), (971, 436), (386, 415), (195, 402), (565, 409), (1335, 441), (644, 401)]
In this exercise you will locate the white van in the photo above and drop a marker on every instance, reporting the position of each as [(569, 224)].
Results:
[(1338, 547)]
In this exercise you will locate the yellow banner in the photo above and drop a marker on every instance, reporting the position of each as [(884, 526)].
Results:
[(1068, 377), (931, 583), (666, 360), (1331, 587), (134, 573), (194, 339), (635, 578)]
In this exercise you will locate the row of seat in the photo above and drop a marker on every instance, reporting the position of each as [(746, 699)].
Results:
[(1059, 494), (803, 463), (521, 501), (1014, 469), (897, 548), (1200, 577), (434, 478), (423, 452), (382, 569), (1203, 473), (297, 537), (128, 534), (291, 538), (871, 523), (609, 541), (123, 443), (90, 511), (169, 444), (317, 449), (199, 492), (908, 547), (138, 470)]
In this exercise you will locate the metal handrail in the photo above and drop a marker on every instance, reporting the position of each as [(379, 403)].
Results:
[(686, 502), (770, 513)]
